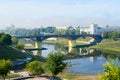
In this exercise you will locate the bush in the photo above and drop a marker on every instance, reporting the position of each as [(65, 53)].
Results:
[(111, 72), (5, 66), (20, 45), (35, 67)]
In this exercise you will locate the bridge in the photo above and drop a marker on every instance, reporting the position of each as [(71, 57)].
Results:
[(40, 38)]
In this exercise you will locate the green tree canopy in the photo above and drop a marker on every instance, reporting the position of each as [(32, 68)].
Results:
[(111, 35), (6, 39), (55, 63), (1, 34), (111, 72), (5, 66), (20, 45), (70, 30), (14, 40), (35, 67)]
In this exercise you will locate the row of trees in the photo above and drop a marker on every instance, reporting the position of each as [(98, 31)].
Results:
[(35, 31), (39, 31), (111, 35)]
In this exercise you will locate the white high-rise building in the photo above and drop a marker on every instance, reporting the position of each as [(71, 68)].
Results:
[(93, 29)]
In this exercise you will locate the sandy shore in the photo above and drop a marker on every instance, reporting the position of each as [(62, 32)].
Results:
[(80, 77), (73, 77)]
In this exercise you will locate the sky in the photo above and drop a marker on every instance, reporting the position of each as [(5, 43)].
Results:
[(36, 13)]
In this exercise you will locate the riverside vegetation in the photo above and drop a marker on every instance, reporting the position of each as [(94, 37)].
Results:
[(6, 49), (112, 46), (109, 46), (5, 67), (7, 55)]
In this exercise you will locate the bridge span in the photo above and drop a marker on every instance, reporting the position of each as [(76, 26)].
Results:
[(39, 38)]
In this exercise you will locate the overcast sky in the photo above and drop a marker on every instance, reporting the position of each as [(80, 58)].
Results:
[(35, 13)]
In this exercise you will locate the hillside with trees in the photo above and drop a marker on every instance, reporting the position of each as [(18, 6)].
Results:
[(6, 50)]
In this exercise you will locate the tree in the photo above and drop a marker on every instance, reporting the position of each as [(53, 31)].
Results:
[(82, 32), (5, 66), (20, 45), (111, 72), (35, 67), (50, 29), (14, 40), (6, 39), (55, 63), (111, 35), (77, 30), (1, 34), (70, 30)]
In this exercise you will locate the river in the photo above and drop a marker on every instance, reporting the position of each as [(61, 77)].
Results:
[(90, 62)]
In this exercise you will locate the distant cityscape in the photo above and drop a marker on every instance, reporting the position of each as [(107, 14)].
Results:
[(92, 29)]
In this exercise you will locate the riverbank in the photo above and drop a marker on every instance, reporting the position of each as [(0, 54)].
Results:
[(64, 42), (108, 46), (8, 52), (71, 76), (61, 76)]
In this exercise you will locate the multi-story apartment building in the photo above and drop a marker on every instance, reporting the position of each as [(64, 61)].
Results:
[(95, 29)]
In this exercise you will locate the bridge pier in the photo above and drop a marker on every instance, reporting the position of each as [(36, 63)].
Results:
[(71, 43), (38, 45), (69, 46)]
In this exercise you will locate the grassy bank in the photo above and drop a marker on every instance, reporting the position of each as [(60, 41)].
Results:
[(64, 42), (10, 76), (10, 53), (59, 41), (108, 46)]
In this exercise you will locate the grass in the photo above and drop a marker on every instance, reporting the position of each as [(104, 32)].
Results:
[(7, 52), (64, 42), (11, 76), (60, 41), (108, 46)]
